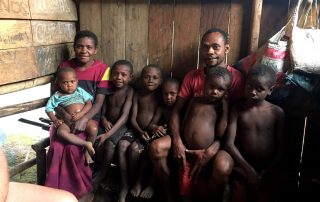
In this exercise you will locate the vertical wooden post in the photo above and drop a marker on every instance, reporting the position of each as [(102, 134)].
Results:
[(255, 25)]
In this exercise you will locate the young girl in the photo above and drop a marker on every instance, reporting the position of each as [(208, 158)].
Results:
[(77, 102), (66, 167), (115, 113), (145, 103)]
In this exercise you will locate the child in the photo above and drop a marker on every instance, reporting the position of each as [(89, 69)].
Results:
[(76, 102), (158, 128), (255, 138), (145, 103), (203, 126), (115, 112)]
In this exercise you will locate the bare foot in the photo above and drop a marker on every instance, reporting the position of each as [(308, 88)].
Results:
[(89, 148), (88, 157), (136, 190), (147, 192), (123, 195)]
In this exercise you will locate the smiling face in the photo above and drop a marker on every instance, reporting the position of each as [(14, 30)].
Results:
[(68, 82), (85, 50), (214, 49), (120, 75), (151, 78)]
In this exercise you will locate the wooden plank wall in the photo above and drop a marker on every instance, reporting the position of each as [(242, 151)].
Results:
[(167, 32), (35, 36)]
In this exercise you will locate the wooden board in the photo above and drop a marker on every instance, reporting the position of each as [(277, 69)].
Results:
[(137, 33), (17, 64), (161, 34), (186, 36), (52, 32), (14, 9), (53, 10), (239, 30), (15, 34), (90, 19), (215, 14), (113, 30), (49, 57)]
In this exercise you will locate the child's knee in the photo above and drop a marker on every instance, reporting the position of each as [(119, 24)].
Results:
[(157, 150), (123, 146), (109, 145), (134, 148)]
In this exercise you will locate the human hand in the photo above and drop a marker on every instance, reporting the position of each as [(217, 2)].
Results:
[(178, 152), (200, 158), (80, 125), (107, 125), (57, 123), (76, 116), (159, 131), (145, 136), (102, 138)]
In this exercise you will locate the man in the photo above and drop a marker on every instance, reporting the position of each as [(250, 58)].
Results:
[(213, 51)]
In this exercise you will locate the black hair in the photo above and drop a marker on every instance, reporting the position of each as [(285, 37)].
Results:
[(173, 81), (63, 70), (212, 30), (263, 70), (86, 33), (123, 62), (151, 66), (219, 72)]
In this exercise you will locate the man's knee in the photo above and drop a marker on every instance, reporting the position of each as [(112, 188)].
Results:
[(223, 164)]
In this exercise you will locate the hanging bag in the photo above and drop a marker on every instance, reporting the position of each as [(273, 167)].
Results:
[(305, 44)]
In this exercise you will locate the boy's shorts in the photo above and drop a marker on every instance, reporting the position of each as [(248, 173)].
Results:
[(114, 138), (131, 137)]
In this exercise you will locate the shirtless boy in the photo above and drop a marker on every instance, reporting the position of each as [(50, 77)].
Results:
[(145, 103), (115, 111), (255, 139), (76, 102), (203, 126)]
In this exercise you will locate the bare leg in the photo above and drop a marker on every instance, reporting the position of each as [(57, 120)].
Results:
[(134, 166), (158, 152), (123, 147), (64, 133), (148, 191), (107, 153), (222, 167), (92, 131)]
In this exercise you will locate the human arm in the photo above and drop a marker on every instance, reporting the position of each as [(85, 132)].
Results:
[(56, 122), (87, 106), (80, 125), (106, 124), (156, 130), (178, 148), (230, 147), (122, 119), (143, 134), (223, 121)]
